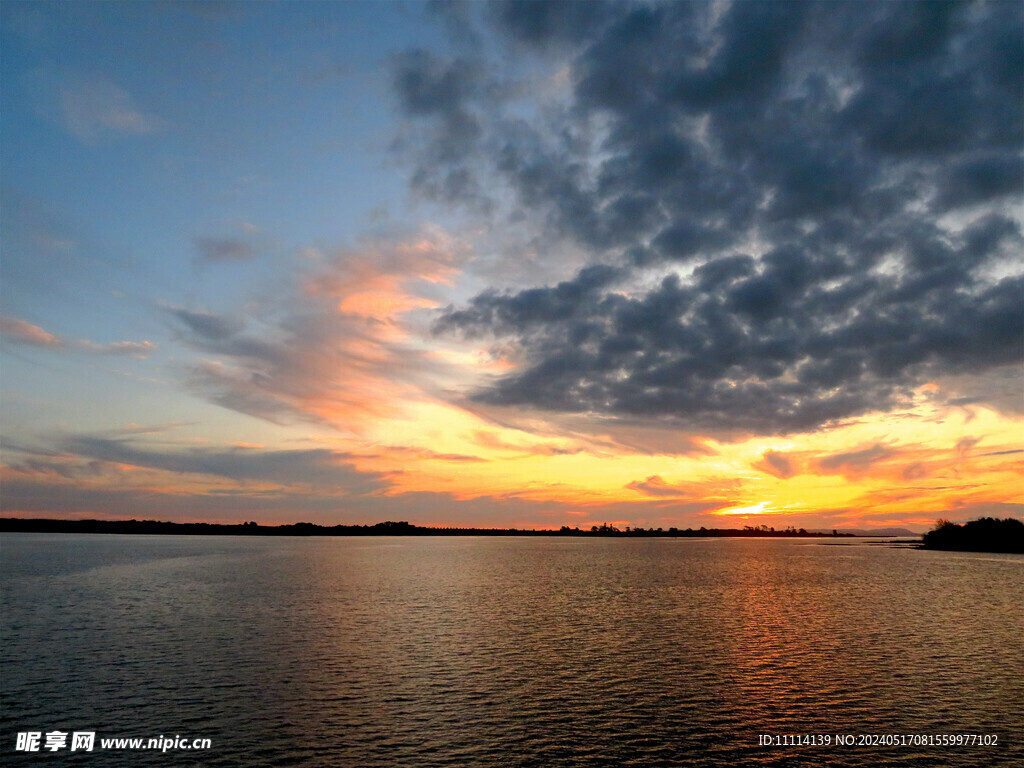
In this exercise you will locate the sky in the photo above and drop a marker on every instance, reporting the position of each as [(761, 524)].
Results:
[(513, 264)]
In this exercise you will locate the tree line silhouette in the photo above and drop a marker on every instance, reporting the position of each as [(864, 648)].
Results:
[(986, 534), (387, 528)]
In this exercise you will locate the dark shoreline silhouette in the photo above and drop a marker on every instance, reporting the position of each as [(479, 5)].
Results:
[(389, 528), (986, 534)]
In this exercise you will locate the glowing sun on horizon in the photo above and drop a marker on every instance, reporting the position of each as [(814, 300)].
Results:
[(755, 509)]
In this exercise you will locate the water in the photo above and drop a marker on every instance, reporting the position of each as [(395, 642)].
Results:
[(506, 651)]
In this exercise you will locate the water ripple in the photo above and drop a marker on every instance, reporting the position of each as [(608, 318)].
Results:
[(510, 652)]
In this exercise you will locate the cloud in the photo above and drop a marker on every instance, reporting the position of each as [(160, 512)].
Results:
[(438, 90), (494, 441), (854, 462), (998, 389), (549, 22), (778, 464), (25, 496), (91, 107), (60, 466), (914, 471), (315, 467), (794, 213), (23, 332), (1003, 453), (385, 276), (655, 486), (710, 493), (340, 349), (214, 249), (206, 325), (29, 496), (405, 451), (579, 433), (140, 349), (964, 445)]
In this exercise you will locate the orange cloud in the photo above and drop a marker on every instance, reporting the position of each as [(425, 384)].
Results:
[(854, 463), (347, 354), (777, 464), (384, 278), (717, 490)]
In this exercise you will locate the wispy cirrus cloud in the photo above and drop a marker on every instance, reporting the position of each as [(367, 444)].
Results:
[(855, 462), (218, 249), (312, 467), (107, 456), (22, 332), (128, 348), (92, 107), (341, 347), (408, 452), (655, 485), (313, 365), (383, 277), (712, 492)]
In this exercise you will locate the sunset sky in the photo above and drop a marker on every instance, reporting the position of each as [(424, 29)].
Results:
[(513, 264)]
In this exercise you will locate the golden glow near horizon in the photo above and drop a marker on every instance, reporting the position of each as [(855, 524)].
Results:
[(409, 435), (938, 459), (899, 468), (894, 468), (296, 309)]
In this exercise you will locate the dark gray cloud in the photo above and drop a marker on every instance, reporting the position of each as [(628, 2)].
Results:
[(772, 352), (830, 192), (442, 92), (548, 22), (223, 249), (314, 467), (855, 461), (253, 376), (206, 325), (69, 470)]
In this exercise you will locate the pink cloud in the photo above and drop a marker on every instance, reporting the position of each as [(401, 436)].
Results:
[(383, 278), (22, 332), (127, 348)]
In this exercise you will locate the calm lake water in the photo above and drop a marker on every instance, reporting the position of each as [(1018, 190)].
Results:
[(507, 651)]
